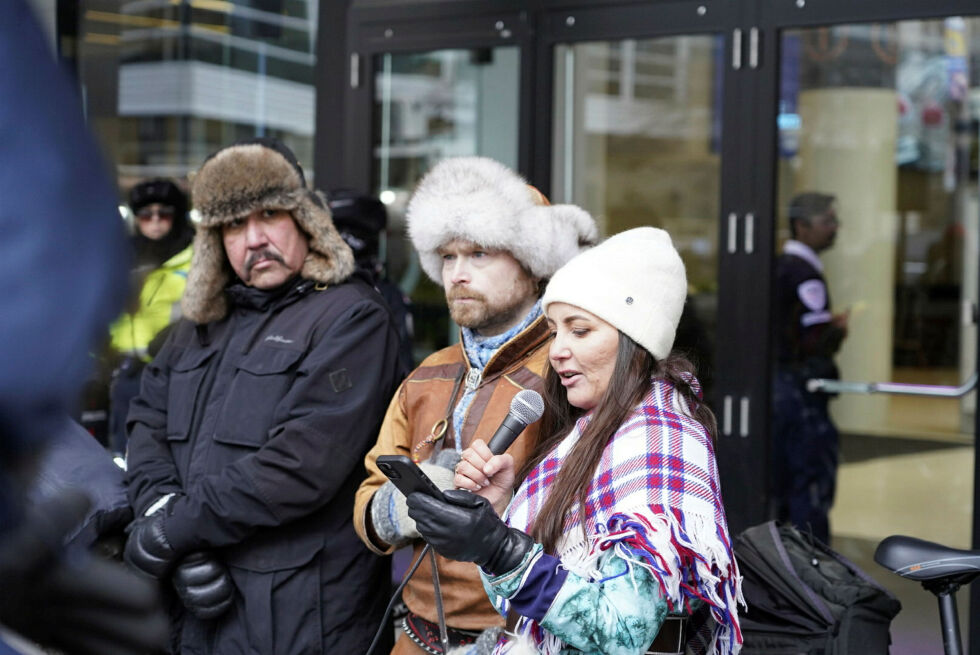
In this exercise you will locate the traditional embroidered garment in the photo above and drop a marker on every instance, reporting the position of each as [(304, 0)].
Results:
[(653, 513)]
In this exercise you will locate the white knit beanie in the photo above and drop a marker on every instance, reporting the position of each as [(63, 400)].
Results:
[(635, 281), (483, 201)]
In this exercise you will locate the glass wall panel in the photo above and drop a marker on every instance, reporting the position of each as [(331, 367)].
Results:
[(429, 106), (884, 118), (637, 136), (167, 83)]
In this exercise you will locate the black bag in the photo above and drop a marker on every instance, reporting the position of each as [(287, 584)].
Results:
[(805, 599)]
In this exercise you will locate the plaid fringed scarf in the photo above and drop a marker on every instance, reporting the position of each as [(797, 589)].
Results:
[(655, 500)]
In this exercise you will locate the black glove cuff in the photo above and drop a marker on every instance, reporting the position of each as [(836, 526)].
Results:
[(148, 549), (511, 552)]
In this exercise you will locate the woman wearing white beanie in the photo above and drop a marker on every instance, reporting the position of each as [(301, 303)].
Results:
[(615, 539)]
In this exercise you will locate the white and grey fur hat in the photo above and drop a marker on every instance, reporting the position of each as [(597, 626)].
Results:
[(483, 201), (233, 182)]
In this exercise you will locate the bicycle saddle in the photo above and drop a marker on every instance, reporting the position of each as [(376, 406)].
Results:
[(917, 559)]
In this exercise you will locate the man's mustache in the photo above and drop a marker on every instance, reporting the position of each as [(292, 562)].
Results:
[(456, 293), (261, 255)]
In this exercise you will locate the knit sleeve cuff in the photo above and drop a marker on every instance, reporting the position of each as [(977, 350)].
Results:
[(389, 517), (532, 587)]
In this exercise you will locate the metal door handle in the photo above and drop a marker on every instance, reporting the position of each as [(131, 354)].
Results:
[(743, 417), (732, 232), (749, 233), (896, 388), (726, 420), (737, 48)]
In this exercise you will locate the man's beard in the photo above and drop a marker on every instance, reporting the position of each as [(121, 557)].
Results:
[(481, 316)]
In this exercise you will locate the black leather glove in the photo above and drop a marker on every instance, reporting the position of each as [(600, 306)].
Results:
[(147, 549), (467, 529), (78, 604), (204, 585)]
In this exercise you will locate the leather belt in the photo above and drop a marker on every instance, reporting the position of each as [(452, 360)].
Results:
[(426, 636)]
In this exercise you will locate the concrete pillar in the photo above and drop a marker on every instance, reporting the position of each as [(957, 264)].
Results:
[(847, 148)]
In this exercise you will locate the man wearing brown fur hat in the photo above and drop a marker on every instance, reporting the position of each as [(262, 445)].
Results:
[(246, 439), (491, 240)]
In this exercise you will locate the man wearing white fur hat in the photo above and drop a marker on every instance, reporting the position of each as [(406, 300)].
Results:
[(490, 240), (246, 438)]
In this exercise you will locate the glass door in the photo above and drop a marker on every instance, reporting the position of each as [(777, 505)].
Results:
[(877, 218), (643, 122), (426, 83), (429, 106), (636, 140)]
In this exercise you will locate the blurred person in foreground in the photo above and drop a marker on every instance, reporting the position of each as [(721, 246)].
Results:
[(613, 537), (161, 246), (491, 241), (246, 439), (807, 336), (64, 261)]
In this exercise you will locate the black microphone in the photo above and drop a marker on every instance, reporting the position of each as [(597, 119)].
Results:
[(526, 408)]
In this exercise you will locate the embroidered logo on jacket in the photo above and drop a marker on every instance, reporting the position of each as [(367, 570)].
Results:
[(278, 338), (813, 293), (340, 380)]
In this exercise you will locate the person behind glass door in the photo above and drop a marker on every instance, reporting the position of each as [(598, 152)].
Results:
[(807, 335), (162, 248), (361, 220), (613, 531), (489, 239)]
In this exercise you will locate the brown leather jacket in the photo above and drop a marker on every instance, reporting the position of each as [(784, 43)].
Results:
[(421, 401)]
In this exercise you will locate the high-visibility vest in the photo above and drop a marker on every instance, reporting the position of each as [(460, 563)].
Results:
[(159, 305)]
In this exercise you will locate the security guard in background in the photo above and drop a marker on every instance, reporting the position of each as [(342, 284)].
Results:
[(807, 335)]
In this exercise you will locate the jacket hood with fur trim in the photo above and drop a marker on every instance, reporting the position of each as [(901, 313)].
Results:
[(483, 201), (234, 182)]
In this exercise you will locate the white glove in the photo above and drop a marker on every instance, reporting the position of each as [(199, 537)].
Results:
[(389, 513)]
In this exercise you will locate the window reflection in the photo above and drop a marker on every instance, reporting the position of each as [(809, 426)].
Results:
[(882, 117), (168, 83)]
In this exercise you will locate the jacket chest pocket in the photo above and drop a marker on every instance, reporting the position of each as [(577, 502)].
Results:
[(186, 375), (262, 379)]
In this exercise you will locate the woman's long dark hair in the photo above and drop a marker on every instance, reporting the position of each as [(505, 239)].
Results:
[(632, 374)]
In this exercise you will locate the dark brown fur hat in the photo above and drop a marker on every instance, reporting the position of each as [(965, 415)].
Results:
[(235, 181)]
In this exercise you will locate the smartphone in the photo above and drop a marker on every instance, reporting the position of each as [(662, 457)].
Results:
[(407, 476)]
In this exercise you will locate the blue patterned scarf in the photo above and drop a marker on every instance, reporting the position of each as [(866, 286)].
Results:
[(479, 350)]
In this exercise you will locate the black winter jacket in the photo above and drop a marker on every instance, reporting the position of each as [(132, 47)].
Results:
[(259, 422)]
